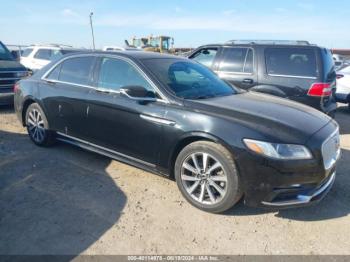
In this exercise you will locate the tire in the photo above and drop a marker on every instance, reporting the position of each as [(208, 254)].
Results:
[(222, 189), (38, 126)]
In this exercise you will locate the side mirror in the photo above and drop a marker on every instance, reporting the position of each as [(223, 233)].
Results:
[(138, 93), (15, 55)]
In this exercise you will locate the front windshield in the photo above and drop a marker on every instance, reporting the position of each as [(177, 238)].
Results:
[(5, 53), (188, 79)]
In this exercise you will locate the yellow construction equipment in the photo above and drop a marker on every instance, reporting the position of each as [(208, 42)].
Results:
[(160, 44)]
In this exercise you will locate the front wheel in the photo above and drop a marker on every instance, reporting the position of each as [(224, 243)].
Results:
[(207, 177), (37, 126)]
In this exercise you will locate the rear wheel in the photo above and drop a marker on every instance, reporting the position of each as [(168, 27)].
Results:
[(207, 176), (37, 126)]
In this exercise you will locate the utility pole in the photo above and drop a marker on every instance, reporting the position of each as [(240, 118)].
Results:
[(92, 30)]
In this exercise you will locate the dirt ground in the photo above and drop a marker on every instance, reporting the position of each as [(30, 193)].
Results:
[(64, 200)]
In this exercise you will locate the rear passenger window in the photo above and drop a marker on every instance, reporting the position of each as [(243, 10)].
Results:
[(116, 74), (237, 60), (291, 62), (76, 70), (44, 54), (205, 56)]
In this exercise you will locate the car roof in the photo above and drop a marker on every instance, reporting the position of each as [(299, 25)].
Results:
[(132, 54), (258, 44)]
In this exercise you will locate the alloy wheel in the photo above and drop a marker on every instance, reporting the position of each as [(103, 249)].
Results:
[(35, 125), (204, 178)]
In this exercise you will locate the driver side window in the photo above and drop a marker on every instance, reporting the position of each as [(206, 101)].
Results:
[(205, 56), (116, 74)]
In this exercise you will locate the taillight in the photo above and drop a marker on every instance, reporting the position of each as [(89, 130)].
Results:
[(320, 89), (16, 87), (339, 76)]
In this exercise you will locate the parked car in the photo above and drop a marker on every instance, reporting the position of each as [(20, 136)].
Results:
[(10, 72), (294, 70), (343, 86), (174, 117), (119, 48), (36, 57)]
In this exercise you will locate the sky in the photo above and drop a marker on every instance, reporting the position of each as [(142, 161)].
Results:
[(190, 22)]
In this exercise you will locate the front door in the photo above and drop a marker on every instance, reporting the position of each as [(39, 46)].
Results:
[(121, 124)]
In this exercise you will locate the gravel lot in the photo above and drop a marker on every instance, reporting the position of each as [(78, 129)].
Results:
[(63, 200)]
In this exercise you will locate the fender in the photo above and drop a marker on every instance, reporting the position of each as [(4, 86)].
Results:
[(191, 137)]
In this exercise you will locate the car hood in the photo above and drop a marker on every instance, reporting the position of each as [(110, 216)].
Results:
[(278, 119), (10, 65)]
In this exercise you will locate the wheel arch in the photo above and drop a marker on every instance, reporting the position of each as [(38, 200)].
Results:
[(190, 138), (27, 102)]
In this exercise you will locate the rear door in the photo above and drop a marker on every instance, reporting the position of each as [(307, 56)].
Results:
[(64, 91), (237, 65)]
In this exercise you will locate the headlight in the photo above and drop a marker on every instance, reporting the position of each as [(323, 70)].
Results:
[(278, 151)]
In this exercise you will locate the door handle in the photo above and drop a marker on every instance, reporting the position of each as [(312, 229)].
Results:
[(248, 81)]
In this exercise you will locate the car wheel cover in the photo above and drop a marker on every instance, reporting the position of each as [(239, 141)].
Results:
[(36, 126), (204, 178)]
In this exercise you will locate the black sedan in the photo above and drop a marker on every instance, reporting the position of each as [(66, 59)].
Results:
[(174, 117)]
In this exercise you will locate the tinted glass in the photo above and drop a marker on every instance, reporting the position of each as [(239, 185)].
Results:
[(76, 70), (205, 56), (291, 62), (234, 60), (44, 54), (187, 79), (329, 67), (116, 74), (26, 52), (54, 75), (5, 53)]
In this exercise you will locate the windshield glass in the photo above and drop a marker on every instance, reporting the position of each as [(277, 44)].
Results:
[(5, 53), (188, 79)]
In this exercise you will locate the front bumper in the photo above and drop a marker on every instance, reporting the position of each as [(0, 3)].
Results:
[(299, 196), (278, 184)]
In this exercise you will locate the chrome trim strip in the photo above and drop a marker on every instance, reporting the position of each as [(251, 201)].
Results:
[(158, 120), (303, 199), (106, 149), (291, 76), (44, 77), (232, 73)]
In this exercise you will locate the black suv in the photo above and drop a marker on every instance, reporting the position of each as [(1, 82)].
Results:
[(175, 117), (295, 70), (10, 72)]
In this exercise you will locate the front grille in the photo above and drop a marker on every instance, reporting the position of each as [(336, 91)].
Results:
[(331, 150), (8, 79)]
